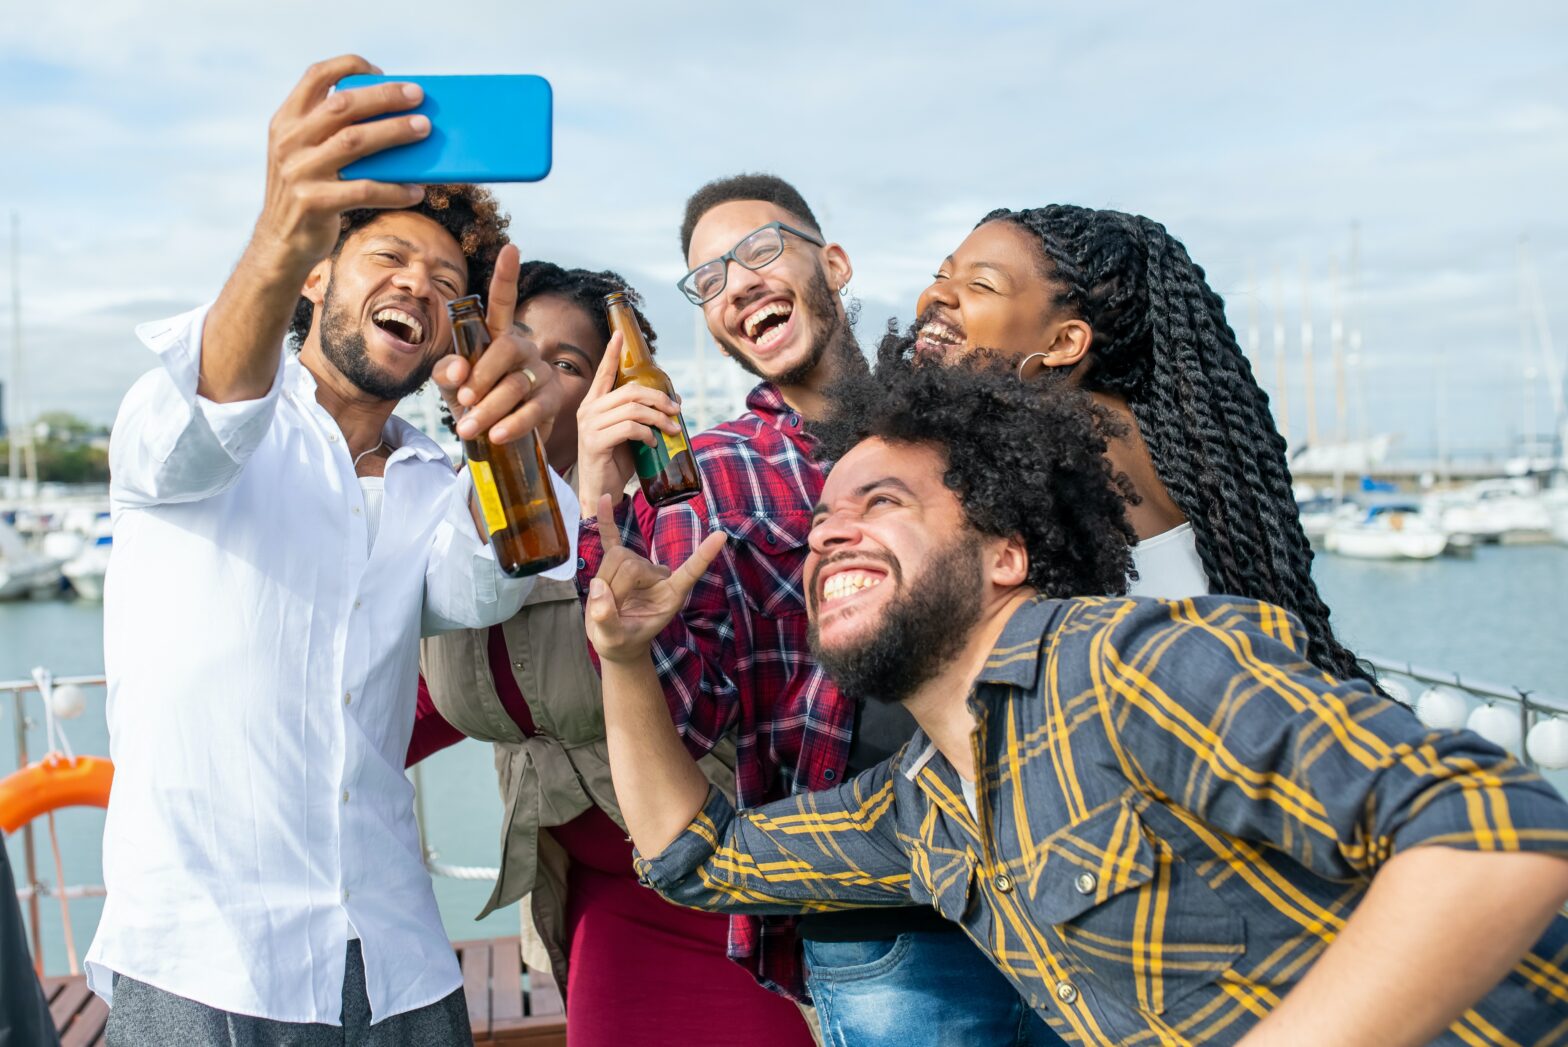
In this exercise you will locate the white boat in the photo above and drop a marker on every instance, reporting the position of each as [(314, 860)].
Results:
[(85, 571), (1387, 532), (24, 573), (1497, 510)]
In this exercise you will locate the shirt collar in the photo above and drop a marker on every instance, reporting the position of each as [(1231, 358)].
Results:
[(1015, 660), (398, 433)]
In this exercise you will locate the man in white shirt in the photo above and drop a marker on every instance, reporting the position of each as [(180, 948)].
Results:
[(281, 543)]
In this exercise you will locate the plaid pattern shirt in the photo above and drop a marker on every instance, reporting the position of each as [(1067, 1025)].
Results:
[(1177, 815), (736, 660)]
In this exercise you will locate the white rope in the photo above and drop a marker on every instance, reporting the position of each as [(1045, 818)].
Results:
[(461, 872), (54, 730)]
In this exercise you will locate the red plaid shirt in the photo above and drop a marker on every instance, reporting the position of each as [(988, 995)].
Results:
[(736, 660)]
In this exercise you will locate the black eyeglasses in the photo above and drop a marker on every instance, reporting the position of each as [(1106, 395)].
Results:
[(756, 249)]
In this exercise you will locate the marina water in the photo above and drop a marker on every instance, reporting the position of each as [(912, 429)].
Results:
[(1500, 617)]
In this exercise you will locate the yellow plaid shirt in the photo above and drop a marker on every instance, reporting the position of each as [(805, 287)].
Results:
[(1177, 814)]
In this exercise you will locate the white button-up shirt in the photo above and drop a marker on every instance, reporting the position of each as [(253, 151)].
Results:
[(262, 658)]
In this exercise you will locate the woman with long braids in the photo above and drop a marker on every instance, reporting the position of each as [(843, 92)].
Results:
[(1113, 303), (635, 969)]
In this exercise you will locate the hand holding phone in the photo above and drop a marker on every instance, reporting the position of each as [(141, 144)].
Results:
[(313, 135), (482, 129)]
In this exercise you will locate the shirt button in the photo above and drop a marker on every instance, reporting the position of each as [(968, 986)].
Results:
[(345, 894), (345, 796), (794, 419), (1003, 882), (1086, 883), (1066, 992), (357, 605), (356, 510), (332, 437), (829, 774), (772, 540), (582, 565), (517, 665), (347, 697)]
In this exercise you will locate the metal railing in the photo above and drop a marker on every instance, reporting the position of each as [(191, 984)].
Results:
[(1532, 707)]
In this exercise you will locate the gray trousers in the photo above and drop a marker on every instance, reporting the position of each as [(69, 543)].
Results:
[(143, 1016)]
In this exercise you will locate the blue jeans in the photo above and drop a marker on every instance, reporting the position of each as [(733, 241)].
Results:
[(926, 987)]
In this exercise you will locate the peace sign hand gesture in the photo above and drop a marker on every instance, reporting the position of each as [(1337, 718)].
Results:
[(631, 599)]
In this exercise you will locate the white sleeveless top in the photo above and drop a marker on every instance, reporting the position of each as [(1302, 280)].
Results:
[(1169, 567)]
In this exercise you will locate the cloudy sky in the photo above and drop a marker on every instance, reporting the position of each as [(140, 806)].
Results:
[(1257, 134)]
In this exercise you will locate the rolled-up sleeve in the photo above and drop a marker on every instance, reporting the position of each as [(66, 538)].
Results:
[(833, 849), (1218, 709), (465, 587), (171, 444)]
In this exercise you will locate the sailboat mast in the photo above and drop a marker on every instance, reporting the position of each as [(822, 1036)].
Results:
[(1356, 362), (1336, 337), (1306, 356), (1281, 388), (14, 411)]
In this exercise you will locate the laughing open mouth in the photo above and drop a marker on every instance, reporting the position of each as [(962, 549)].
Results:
[(938, 337), (767, 325), (403, 326)]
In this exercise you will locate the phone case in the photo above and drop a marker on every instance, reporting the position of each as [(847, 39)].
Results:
[(482, 129)]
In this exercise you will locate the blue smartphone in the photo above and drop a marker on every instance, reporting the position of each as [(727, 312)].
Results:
[(482, 129)]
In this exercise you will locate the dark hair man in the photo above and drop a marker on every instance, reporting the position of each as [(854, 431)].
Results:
[(1161, 821), (282, 540), (770, 284)]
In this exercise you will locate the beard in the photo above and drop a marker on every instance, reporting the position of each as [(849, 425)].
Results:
[(343, 344), (829, 329), (921, 631)]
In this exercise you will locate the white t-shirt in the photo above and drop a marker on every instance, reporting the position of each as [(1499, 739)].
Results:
[(1169, 567)]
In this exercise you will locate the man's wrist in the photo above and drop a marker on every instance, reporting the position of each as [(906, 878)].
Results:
[(271, 260)]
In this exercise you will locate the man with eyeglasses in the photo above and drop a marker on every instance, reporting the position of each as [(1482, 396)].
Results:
[(737, 660)]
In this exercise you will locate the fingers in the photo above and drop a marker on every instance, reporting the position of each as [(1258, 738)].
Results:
[(342, 108), (657, 408), (354, 141), (449, 373), (609, 369), (514, 407), (697, 564), (503, 292), (318, 80), (361, 192)]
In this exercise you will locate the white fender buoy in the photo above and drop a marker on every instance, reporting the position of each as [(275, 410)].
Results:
[(1547, 743), (1498, 725), (1395, 690), (67, 701), (1442, 708)]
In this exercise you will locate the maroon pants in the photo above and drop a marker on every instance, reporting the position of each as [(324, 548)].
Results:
[(645, 973)]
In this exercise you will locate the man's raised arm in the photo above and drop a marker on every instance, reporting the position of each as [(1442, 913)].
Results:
[(312, 137)]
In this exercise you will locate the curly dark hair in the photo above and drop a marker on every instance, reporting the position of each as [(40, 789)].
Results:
[(1161, 342), (768, 188), (1022, 461), (469, 212), (585, 289)]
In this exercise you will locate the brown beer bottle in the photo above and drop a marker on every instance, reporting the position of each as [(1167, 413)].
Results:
[(516, 497), (667, 470)]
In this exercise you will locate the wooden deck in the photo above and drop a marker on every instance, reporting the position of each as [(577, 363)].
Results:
[(503, 1006)]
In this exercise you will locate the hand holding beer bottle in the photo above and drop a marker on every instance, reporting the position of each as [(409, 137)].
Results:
[(517, 504), (665, 465), (618, 417)]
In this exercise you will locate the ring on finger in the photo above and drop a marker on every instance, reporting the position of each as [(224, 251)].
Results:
[(533, 379)]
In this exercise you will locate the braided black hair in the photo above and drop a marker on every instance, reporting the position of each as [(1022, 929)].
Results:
[(1022, 462), (1162, 343)]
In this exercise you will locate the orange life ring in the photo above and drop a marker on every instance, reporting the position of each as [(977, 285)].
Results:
[(52, 783)]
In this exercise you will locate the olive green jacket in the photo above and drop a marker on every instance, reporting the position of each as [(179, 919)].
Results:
[(552, 777)]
